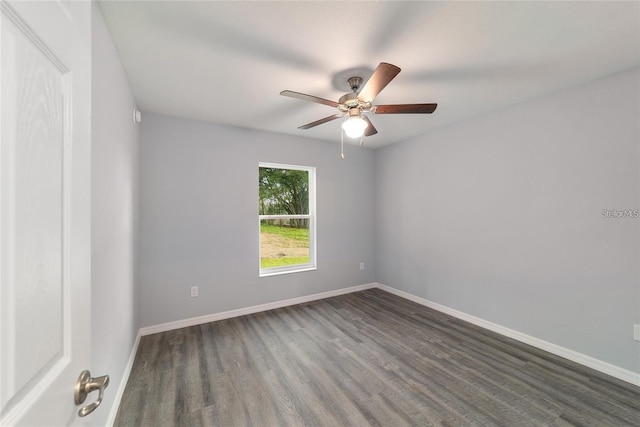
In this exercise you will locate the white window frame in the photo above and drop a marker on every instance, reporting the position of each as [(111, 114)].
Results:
[(296, 268)]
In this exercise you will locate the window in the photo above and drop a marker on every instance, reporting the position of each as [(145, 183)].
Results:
[(286, 212)]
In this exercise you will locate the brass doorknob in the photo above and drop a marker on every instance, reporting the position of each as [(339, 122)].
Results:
[(86, 385)]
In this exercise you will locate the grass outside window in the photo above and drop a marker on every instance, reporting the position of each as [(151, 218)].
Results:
[(283, 245)]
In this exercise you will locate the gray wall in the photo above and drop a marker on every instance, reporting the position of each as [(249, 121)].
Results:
[(199, 217), (113, 204), (500, 217)]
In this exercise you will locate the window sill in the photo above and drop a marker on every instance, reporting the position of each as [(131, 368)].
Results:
[(267, 273)]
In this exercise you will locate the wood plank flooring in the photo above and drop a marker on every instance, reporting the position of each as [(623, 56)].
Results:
[(364, 359)]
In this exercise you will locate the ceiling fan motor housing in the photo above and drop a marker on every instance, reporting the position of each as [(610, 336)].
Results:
[(349, 100)]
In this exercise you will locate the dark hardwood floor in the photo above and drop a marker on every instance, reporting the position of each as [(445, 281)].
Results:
[(367, 358)]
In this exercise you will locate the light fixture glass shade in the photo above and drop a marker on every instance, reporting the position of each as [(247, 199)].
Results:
[(354, 127)]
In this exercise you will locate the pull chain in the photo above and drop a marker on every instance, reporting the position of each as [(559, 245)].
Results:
[(342, 145)]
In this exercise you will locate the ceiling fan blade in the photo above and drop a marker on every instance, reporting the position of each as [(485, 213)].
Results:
[(306, 97), (370, 129), (405, 109), (319, 122), (378, 80)]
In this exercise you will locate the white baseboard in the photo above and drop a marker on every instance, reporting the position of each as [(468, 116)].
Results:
[(123, 383), (250, 310), (588, 361)]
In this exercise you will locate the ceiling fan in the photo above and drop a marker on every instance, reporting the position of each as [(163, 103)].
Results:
[(354, 105)]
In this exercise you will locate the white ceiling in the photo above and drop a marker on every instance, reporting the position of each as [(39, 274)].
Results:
[(226, 62)]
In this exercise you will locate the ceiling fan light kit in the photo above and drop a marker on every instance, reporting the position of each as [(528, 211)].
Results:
[(354, 125), (354, 105)]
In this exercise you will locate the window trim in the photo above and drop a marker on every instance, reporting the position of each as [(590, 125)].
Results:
[(311, 216)]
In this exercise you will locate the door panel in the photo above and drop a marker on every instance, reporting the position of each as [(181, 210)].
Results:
[(44, 210), (33, 196)]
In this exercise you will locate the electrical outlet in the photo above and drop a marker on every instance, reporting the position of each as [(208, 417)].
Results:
[(362, 266), (194, 291), (636, 332)]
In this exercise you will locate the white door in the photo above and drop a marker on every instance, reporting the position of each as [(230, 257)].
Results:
[(45, 89)]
